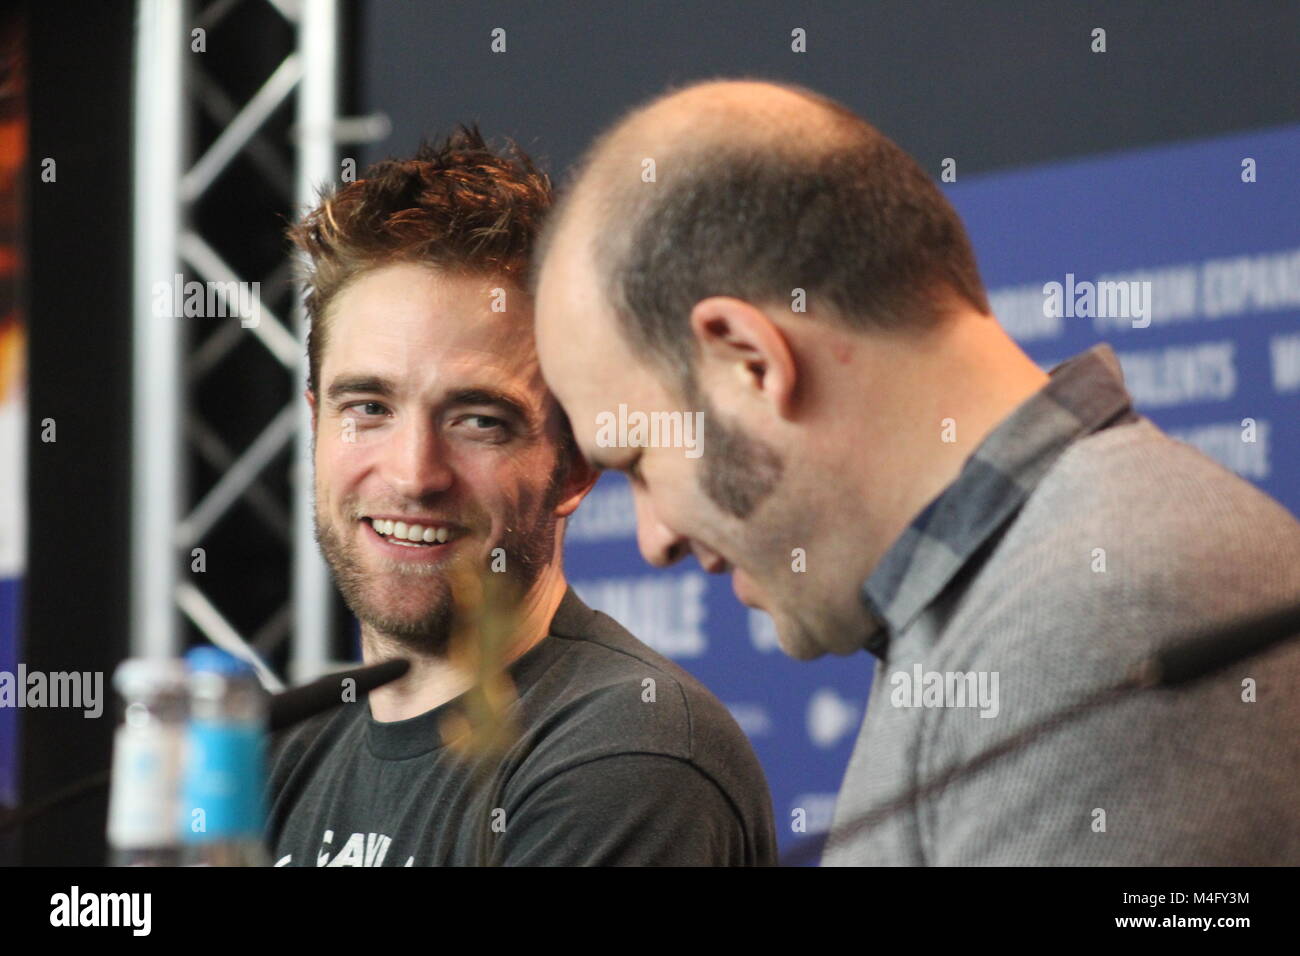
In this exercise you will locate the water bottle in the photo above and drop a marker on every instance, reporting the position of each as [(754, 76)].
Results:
[(147, 755), (221, 809)]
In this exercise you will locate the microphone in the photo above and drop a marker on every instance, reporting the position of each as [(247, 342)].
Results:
[(285, 709), (1183, 663), (1215, 649), (293, 706)]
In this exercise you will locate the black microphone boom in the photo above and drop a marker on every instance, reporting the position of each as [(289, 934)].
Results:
[(1218, 647), (291, 706), (284, 710), (1181, 663)]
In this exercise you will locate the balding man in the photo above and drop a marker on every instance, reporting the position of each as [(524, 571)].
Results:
[(882, 468)]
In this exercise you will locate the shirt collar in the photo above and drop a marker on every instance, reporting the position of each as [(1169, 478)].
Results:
[(1083, 395)]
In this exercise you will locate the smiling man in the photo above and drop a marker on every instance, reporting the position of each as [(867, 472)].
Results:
[(883, 470), (442, 460)]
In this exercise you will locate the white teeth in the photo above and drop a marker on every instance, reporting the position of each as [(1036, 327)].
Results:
[(399, 532)]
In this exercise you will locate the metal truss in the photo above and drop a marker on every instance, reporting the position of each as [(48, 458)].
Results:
[(166, 524)]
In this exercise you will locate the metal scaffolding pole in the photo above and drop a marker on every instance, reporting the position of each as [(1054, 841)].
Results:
[(317, 155), (166, 523), (157, 340)]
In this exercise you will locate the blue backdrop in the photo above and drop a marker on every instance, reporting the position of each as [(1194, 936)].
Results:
[(1222, 346)]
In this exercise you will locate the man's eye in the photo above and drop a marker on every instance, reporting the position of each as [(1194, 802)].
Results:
[(368, 408), (487, 423)]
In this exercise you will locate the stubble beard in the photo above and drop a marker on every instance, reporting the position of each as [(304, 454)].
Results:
[(427, 631), (739, 473), (527, 546)]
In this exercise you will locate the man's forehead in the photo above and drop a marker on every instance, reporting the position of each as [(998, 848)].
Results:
[(408, 321), (412, 300), (570, 306), (572, 338)]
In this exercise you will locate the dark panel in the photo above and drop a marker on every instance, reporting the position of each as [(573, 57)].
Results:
[(79, 362), (992, 84)]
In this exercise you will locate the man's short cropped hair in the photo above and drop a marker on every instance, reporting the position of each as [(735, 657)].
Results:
[(457, 205), (847, 217)]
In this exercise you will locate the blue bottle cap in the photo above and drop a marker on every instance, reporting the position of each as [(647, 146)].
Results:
[(213, 660)]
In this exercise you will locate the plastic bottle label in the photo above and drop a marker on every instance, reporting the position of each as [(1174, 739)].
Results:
[(223, 782), (146, 776)]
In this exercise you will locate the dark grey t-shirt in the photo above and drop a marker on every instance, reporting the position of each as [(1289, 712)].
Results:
[(622, 758)]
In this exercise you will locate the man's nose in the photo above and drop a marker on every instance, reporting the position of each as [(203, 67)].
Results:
[(415, 460), (660, 545)]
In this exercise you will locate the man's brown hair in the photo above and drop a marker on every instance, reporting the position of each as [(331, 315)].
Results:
[(457, 205), (758, 213)]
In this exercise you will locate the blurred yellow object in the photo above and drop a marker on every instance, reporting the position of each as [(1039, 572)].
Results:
[(12, 345), (484, 627)]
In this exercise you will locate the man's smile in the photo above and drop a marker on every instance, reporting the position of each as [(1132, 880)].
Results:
[(425, 540)]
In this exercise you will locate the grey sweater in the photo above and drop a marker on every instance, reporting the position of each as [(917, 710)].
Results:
[(1078, 539)]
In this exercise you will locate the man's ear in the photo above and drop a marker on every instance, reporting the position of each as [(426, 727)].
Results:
[(739, 342), (577, 482), (311, 402)]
